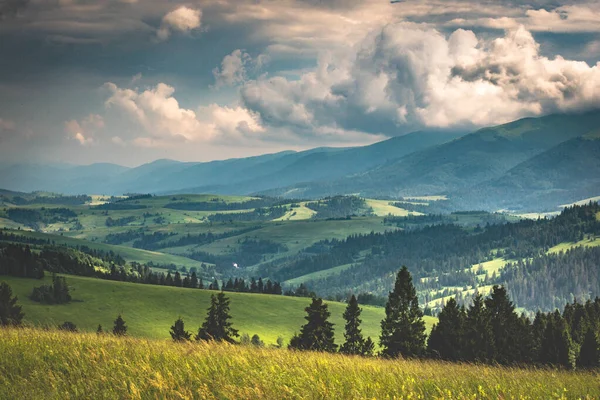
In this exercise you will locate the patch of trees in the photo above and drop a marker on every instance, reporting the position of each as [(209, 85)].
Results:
[(110, 222), (20, 261), (55, 293), (443, 251), (250, 252), (25, 216), (258, 214), (64, 200), (340, 207), (253, 286), (550, 281), (118, 206), (217, 204), (491, 331)]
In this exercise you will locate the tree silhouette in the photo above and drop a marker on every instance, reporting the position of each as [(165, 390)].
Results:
[(10, 312), (403, 329), (355, 343), (119, 329), (317, 334), (178, 332), (217, 325), (447, 336)]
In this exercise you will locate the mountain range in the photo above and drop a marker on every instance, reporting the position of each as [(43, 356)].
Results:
[(529, 164)]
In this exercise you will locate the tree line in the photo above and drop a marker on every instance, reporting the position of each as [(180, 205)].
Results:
[(489, 331)]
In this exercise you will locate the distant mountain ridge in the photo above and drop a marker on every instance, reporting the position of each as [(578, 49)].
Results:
[(530, 163)]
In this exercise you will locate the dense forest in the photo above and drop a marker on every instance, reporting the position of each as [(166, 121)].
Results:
[(446, 252), (340, 207)]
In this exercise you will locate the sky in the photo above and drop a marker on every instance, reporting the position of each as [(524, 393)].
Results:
[(132, 81)]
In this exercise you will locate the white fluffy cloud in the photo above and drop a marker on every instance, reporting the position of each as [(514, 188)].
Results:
[(405, 76), (164, 121), (182, 19)]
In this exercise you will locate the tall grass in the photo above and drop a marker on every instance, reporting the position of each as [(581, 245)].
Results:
[(37, 364)]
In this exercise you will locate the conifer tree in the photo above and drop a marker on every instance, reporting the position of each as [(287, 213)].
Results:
[(368, 347), (403, 329), (10, 312), (557, 347), (255, 341), (178, 332), (479, 338), (119, 329), (355, 343), (217, 325), (177, 279), (209, 326), (447, 336), (194, 280), (99, 330), (201, 284), (505, 326), (317, 334), (589, 354)]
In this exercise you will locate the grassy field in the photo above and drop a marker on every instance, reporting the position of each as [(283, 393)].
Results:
[(318, 275), (150, 310), (591, 242), (39, 364)]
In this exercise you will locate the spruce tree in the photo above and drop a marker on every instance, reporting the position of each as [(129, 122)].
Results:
[(194, 280), (178, 332), (447, 336), (557, 346), (317, 334), (479, 338), (226, 331), (589, 354), (119, 329), (99, 330), (217, 325), (10, 312), (209, 327), (403, 329), (505, 326), (355, 342)]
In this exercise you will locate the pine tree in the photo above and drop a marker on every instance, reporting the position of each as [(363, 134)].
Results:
[(479, 338), (119, 329), (317, 334), (178, 332), (194, 280), (355, 342), (557, 347), (68, 326), (177, 280), (589, 354), (505, 326), (368, 347), (217, 325), (403, 329), (10, 312), (226, 331), (447, 336), (99, 330), (209, 326)]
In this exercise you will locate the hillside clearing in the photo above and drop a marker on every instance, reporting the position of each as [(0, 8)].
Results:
[(150, 310)]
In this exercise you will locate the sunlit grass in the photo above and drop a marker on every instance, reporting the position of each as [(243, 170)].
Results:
[(56, 365)]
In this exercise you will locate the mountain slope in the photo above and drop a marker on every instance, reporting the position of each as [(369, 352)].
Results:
[(566, 173), (462, 163)]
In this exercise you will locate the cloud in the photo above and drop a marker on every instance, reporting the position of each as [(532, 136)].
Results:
[(406, 76), (84, 131), (182, 19), (233, 69), (158, 112)]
